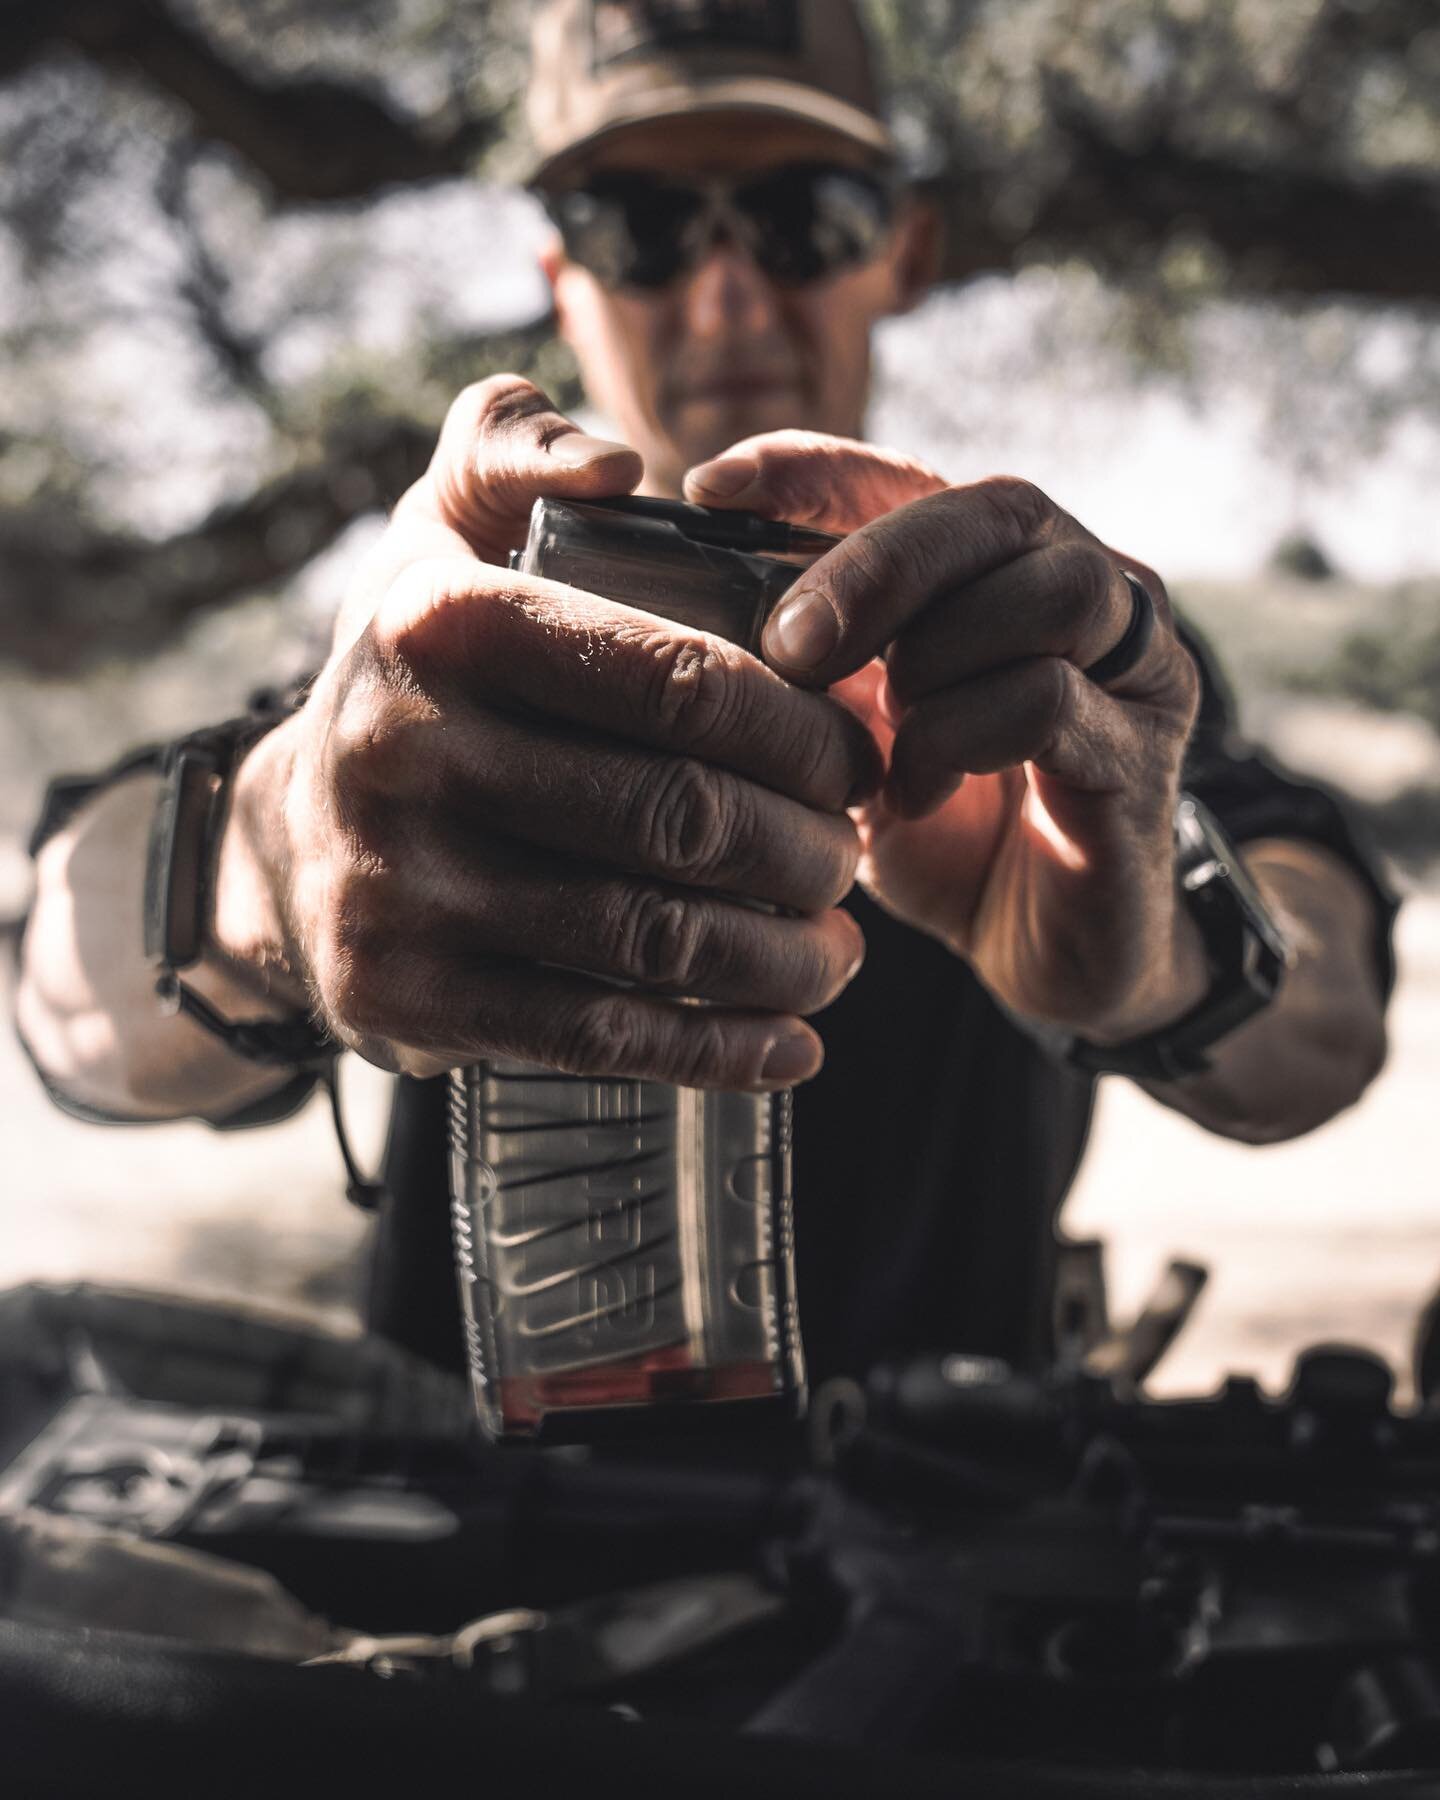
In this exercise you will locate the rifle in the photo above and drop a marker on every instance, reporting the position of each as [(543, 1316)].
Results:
[(976, 1581)]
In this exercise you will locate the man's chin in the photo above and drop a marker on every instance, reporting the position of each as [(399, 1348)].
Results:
[(706, 426)]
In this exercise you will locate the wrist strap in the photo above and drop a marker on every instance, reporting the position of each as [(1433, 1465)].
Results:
[(195, 776), (281, 1043), (180, 889)]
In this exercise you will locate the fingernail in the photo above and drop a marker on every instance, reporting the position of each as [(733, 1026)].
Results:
[(576, 450), (789, 1058), (726, 477), (802, 631)]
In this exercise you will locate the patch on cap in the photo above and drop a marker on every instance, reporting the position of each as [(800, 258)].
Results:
[(625, 28)]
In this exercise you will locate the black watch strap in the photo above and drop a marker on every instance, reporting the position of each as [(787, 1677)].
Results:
[(179, 889), (1179, 1050), (1244, 946), (184, 836)]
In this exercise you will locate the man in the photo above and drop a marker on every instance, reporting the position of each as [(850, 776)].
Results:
[(501, 795)]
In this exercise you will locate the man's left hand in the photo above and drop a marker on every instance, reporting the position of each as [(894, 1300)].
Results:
[(1026, 816)]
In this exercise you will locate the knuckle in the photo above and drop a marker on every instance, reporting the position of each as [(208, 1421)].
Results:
[(351, 953), (445, 623), (817, 974), (1093, 580), (847, 862), (829, 864), (352, 759), (376, 763), (494, 404), (1018, 506), (486, 464), (361, 1008), (817, 744), (482, 447), (381, 1000), (382, 1052), (1188, 684), (403, 1059), (691, 826), (665, 938), (876, 558), (694, 693), (704, 1054), (811, 749), (406, 606), (798, 473), (437, 616), (1056, 697), (799, 445), (598, 1036)]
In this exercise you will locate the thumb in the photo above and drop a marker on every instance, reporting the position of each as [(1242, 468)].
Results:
[(503, 446), (830, 483)]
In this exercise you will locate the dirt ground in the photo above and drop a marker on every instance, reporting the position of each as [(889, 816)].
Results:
[(1336, 1236)]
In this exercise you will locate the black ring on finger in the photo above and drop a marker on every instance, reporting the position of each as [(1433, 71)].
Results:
[(1136, 640)]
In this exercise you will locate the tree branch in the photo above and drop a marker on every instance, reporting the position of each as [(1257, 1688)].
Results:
[(1283, 230), (205, 288), (1286, 229), (309, 140), (72, 594)]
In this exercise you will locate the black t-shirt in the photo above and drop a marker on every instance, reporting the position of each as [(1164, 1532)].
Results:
[(932, 1151)]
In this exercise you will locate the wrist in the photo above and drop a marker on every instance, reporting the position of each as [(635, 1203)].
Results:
[(250, 942), (1246, 953), (1176, 983)]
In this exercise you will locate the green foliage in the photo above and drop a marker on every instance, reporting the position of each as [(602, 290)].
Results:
[(1299, 554), (1394, 669)]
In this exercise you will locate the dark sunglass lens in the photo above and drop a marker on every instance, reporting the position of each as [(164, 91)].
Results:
[(628, 233), (812, 220)]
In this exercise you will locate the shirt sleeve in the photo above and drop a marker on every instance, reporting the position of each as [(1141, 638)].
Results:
[(1255, 796)]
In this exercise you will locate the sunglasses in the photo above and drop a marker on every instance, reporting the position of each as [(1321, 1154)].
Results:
[(800, 222)]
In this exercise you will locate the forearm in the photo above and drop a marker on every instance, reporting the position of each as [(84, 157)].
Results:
[(1313, 1051), (86, 1002)]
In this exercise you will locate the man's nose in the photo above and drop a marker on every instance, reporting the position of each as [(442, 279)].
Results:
[(728, 294)]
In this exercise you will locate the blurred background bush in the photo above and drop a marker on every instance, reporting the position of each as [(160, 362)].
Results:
[(1192, 287)]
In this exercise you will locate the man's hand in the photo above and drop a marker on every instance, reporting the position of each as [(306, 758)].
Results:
[(503, 796), (1026, 815)]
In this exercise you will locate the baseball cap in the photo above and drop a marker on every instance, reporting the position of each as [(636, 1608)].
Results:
[(600, 65)]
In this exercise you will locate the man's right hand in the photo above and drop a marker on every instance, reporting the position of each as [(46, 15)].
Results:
[(504, 795)]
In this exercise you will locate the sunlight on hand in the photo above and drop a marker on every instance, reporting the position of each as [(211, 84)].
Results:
[(1040, 821)]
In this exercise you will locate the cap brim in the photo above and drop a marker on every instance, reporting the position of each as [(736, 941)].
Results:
[(744, 94)]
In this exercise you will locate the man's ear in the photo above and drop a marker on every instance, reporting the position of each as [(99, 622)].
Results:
[(551, 257), (919, 243)]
